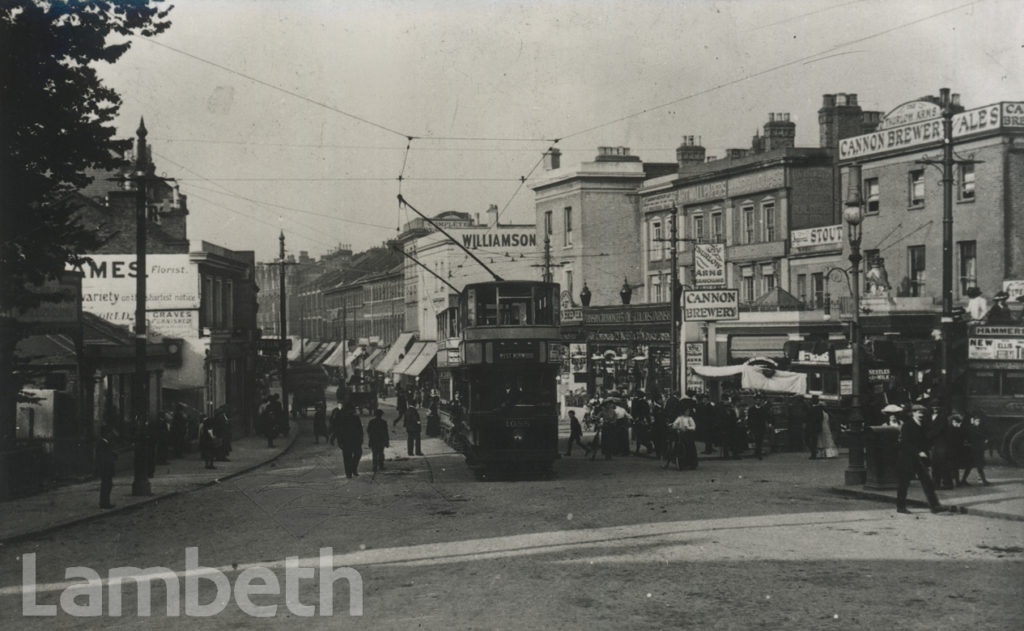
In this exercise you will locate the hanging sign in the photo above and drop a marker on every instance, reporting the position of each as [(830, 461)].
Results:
[(709, 264), (711, 304)]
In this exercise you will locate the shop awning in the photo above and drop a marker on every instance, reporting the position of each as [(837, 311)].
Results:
[(395, 353), (373, 358), (323, 353), (758, 377), (353, 356), (300, 347), (402, 367), (336, 357), (427, 351)]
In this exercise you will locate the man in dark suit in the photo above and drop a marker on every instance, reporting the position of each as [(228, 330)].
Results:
[(911, 460), (413, 430), (813, 418), (105, 461), (350, 439), (759, 418)]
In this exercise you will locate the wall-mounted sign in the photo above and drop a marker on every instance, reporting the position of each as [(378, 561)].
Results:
[(879, 375), (515, 351), (973, 121), (695, 356), (909, 113), (820, 359), (996, 348), (1014, 287), (844, 356), (822, 235), (711, 304), (998, 331), (709, 264), (497, 238), (572, 315)]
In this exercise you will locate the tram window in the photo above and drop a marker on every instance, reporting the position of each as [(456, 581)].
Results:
[(486, 306), (1013, 383), (544, 307), (984, 382), (830, 383), (515, 305)]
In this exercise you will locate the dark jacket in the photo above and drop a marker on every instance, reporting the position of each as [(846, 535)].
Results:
[(351, 429), (913, 440), (105, 458), (377, 431), (758, 417), (412, 420)]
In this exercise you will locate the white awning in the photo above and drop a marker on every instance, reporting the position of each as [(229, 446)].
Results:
[(397, 350), (337, 357), (427, 354), (402, 367)]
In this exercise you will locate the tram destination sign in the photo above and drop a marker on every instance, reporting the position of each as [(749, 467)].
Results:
[(711, 304)]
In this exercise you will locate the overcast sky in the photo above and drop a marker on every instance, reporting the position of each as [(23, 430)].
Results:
[(295, 115)]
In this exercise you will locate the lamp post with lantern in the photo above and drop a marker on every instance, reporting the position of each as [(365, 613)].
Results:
[(853, 215)]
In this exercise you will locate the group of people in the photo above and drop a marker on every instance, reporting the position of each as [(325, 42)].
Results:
[(939, 449), (345, 428), (669, 428)]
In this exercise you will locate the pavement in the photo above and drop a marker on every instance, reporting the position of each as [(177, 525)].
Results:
[(72, 504)]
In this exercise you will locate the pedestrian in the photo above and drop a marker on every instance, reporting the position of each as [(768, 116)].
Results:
[(413, 429), (759, 418), (684, 447), (350, 439), (977, 306), (575, 433), (179, 431), (272, 414), (943, 449), (208, 441), (320, 423), (704, 417), (999, 313), (640, 409), (379, 437), (433, 419), (977, 441), (911, 460), (401, 404), (727, 421), (813, 417), (222, 429), (106, 460)]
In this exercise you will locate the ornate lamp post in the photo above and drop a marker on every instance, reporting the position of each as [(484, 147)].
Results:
[(853, 214)]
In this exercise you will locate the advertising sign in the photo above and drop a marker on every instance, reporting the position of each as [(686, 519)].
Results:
[(172, 290), (709, 264), (578, 357), (1014, 287), (879, 375), (923, 132), (695, 356), (822, 235), (711, 304), (996, 348)]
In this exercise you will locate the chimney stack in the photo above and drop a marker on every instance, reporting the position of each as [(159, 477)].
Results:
[(690, 152), (552, 159)]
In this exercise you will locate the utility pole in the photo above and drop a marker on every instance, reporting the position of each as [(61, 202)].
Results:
[(140, 389), (948, 105), (547, 259), (284, 332), (675, 293)]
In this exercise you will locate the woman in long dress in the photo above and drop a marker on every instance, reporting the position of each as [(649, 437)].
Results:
[(826, 446)]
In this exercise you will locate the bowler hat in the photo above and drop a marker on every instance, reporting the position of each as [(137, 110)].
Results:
[(892, 408), (917, 407), (1002, 295)]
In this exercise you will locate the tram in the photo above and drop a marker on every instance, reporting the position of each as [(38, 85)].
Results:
[(995, 385), (501, 350)]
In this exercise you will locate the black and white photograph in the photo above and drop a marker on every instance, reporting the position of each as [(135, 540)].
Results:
[(512, 314)]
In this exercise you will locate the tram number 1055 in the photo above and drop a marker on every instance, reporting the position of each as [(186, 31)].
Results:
[(514, 423)]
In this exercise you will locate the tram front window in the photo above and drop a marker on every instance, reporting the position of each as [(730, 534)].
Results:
[(505, 389)]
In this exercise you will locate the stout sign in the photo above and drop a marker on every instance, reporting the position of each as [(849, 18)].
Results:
[(711, 304)]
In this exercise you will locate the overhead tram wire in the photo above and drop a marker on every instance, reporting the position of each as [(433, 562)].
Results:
[(760, 73), (404, 202)]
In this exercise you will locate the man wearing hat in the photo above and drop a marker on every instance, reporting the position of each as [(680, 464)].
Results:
[(759, 418), (1000, 312), (814, 416), (911, 458), (380, 437)]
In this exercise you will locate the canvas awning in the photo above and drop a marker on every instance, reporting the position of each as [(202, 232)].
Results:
[(371, 360), (758, 377), (418, 358), (395, 353), (323, 353), (336, 357), (300, 346)]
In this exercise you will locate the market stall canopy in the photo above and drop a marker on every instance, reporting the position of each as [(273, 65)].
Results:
[(396, 352), (758, 374)]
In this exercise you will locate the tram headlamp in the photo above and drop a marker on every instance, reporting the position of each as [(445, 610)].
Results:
[(518, 436)]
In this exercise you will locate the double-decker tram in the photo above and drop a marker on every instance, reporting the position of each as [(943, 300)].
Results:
[(502, 356)]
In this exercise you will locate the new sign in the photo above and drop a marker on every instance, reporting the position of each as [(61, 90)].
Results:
[(711, 304)]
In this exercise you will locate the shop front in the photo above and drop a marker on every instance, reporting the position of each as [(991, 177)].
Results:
[(623, 348)]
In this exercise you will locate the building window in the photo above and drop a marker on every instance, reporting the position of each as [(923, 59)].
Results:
[(818, 290), (568, 226), (767, 278), (871, 194), (748, 224), (568, 284), (547, 223), (656, 289), (968, 265), (657, 246), (717, 235), (768, 210), (966, 182), (698, 228), (867, 259), (916, 269), (747, 283), (917, 188), (801, 287)]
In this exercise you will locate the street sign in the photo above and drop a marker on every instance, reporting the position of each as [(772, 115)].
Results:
[(711, 304), (709, 264)]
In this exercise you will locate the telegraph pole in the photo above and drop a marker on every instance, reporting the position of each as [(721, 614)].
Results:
[(140, 389), (547, 259), (675, 293), (284, 331)]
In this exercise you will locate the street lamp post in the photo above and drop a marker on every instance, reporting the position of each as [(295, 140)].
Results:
[(856, 473), (140, 389), (950, 104)]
